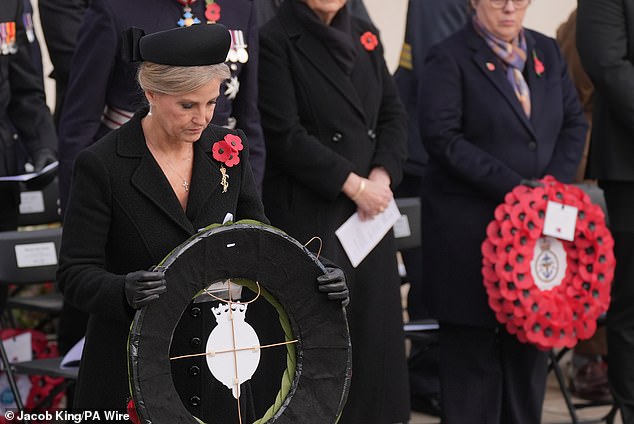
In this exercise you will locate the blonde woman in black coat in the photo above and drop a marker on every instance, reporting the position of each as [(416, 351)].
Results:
[(143, 190), (335, 133)]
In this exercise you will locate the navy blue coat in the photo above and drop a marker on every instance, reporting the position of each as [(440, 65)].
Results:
[(481, 144), (100, 77), (22, 107)]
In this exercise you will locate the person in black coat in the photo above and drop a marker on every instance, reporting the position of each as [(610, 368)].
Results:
[(61, 20), (22, 108), (102, 92), (144, 189), (488, 120), (605, 41), (335, 133), (428, 22)]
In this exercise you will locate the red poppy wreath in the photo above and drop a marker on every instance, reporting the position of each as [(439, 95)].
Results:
[(546, 290)]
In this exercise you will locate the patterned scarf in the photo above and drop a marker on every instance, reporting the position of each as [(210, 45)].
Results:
[(513, 54)]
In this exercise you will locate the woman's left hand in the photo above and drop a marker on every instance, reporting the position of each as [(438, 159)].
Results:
[(377, 195), (333, 282)]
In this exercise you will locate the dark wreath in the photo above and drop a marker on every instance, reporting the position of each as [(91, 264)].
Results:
[(320, 367)]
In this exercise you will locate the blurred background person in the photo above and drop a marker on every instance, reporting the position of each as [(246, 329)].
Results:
[(335, 134), (496, 107), (604, 32), (266, 9), (25, 120), (588, 374), (428, 22), (60, 24)]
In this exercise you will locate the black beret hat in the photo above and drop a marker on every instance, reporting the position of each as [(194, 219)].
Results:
[(195, 45)]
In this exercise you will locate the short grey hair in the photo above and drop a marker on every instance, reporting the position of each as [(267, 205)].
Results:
[(174, 80)]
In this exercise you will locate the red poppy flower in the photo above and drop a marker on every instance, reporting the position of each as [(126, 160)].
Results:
[(212, 12), (552, 315), (132, 415), (539, 66), (369, 41), (226, 150)]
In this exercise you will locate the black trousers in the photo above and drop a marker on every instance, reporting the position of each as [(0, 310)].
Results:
[(619, 198), (487, 376)]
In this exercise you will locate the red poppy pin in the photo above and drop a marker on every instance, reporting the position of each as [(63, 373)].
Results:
[(490, 66), (132, 415), (539, 66), (212, 11), (226, 151), (369, 41)]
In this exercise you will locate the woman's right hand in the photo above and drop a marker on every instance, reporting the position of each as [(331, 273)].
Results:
[(370, 195), (143, 287)]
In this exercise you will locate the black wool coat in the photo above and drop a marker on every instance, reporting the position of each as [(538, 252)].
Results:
[(123, 216), (319, 125), (481, 144)]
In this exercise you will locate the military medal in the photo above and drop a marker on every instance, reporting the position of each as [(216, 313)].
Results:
[(7, 38), (188, 18), (28, 25), (238, 51)]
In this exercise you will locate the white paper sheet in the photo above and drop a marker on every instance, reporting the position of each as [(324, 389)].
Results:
[(73, 356), (358, 238), (29, 176)]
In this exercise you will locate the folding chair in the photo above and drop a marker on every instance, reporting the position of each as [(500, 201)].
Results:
[(29, 257), (39, 206)]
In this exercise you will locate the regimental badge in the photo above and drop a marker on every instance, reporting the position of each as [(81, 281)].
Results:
[(7, 38), (232, 328), (549, 263), (238, 51)]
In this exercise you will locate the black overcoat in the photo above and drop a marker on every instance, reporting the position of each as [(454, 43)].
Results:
[(123, 216), (101, 77), (319, 125), (481, 144)]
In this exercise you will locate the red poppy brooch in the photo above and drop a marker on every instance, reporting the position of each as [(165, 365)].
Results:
[(546, 290), (226, 152), (539, 65), (369, 41), (212, 11)]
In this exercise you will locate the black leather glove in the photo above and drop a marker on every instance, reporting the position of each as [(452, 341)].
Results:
[(333, 282), (43, 157), (531, 183), (143, 287)]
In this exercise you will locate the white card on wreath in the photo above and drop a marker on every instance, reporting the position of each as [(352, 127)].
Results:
[(560, 221)]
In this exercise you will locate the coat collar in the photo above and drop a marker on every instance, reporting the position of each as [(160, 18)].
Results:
[(483, 55), (151, 182), (318, 56)]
